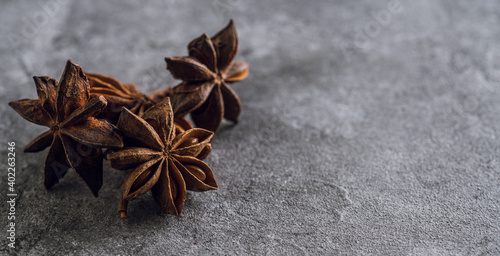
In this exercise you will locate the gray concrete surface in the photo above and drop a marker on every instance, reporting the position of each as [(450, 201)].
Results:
[(368, 127)]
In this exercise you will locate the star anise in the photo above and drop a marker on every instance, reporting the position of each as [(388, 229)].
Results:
[(164, 162), (126, 95), (75, 135), (118, 95), (205, 72)]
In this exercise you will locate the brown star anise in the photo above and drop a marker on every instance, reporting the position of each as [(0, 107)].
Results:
[(118, 95), (75, 135), (164, 163), (205, 72), (126, 95)]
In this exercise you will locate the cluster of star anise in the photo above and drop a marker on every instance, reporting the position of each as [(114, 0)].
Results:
[(147, 134)]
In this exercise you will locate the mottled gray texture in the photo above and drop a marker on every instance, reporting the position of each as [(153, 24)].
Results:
[(382, 144)]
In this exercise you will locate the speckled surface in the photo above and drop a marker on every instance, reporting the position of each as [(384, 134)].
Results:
[(368, 127)]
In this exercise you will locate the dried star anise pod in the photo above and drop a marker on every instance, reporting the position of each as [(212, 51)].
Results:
[(118, 95), (205, 72), (126, 95), (164, 162), (75, 135)]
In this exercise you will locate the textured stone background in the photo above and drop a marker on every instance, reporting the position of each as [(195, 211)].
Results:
[(356, 137)]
